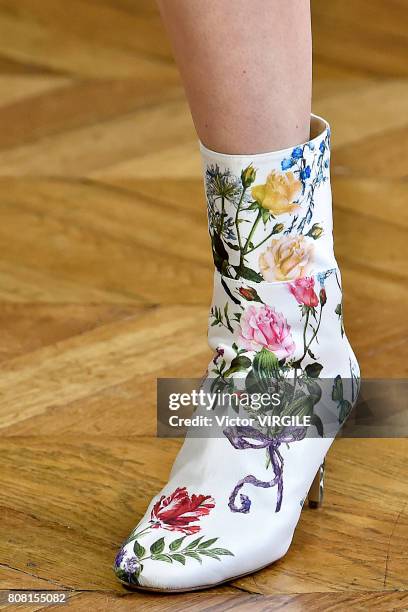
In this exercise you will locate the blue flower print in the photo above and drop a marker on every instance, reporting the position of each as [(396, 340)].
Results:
[(287, 163), (297, 153), (305, 173)]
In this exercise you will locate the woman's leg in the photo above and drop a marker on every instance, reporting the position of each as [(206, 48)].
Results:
[(246, 67)]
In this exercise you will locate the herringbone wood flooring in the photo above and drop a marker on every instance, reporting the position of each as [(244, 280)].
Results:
[(99, 177)]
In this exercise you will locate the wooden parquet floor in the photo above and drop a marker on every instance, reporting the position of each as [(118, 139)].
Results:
[(99, 177)]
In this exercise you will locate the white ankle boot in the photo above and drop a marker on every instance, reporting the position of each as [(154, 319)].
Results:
[(232, 502)]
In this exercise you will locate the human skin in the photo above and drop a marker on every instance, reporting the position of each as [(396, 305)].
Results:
[(246, 68)]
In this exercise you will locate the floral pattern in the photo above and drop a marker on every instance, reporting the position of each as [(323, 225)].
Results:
[(303, 290), (267, 357), (265, 351), (179, 510), (263, 327), (286, 258), (176, 512), (271, 219), (266, 231), (279, 193)]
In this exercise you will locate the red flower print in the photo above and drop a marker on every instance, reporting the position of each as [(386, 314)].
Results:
[(250, 294), (177, 511), (247, 293), (303, 290), (323, 296)]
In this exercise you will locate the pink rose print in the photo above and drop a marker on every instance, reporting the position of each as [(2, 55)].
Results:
[(263, 327), (177, 511), (303, 290)]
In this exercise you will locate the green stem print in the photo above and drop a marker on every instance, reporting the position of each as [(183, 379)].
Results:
[(315, 331), (179, 512), (175, 552), (237, 220), (304, 336), (134, 536), (222, 317), (278, 227), (243, 251), (222, 215)]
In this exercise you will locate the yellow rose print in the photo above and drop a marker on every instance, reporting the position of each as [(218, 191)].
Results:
[(278, 193)]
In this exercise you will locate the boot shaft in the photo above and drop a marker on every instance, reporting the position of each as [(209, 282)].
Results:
[(270, 215), (277, 286)]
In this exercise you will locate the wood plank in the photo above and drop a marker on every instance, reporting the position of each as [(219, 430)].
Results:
[(355, 33), (350, 121), (54, 326), (29, 42), (176, 161), (15, 87), (31, 384), (29, 327), (379, 157), (382, 200), (21, 283), (67, 104), (86, 21), (81, 151), (388, 260), (75, 223), (18, 68)]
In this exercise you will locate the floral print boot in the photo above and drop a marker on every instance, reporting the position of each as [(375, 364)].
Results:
[(233, 501)]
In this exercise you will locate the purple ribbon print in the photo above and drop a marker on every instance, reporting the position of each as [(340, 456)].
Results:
[(243, 438)]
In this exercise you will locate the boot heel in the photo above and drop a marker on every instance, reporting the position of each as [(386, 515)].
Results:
[(315, 496)]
